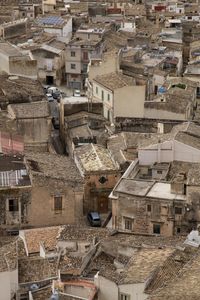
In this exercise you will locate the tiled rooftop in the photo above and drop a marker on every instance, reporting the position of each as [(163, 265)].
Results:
[(94, 158), (47, 236), (114, 81)]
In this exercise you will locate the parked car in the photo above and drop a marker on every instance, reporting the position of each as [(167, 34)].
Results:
[(57, 95), (50, 97), (94, 219), (53, 89), (77, 93), (56, 123)]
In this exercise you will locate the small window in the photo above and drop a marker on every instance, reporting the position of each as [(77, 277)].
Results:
[(159, 172), (73, 54), (108, 97), (178, 230), (97, 90), (102, 95), (73, 66), (128, 224), (125, 297), (149, 207), (57, 203), (156, 228), (13, 205), (103, 179), (178, 210)]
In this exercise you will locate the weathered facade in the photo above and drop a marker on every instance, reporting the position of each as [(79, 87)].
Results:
[(100, 173)]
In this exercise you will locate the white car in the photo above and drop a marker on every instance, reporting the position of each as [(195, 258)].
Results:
[(50, 97), (77, 93)]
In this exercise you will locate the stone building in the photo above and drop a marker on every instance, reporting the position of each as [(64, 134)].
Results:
[(100, 173), (14, 62), (160, 195), (57, 190), (120, 95), (18, 89), (50, 62), (15, 192), (78, 54), (83, 128), (33, 122)]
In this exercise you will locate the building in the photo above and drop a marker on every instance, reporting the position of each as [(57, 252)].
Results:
[(120, 95), (15, 190), (8, 270), (57, 190), (13, 29), (33, 122), (57, 25), (78, 54), (18, 89), (84, 128), (14, 62), (158, 196), (50, 62), (100, 173)]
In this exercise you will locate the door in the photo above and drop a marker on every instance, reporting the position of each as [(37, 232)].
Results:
[(103, 204)]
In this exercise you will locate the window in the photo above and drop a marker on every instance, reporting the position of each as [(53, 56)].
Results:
[(85, 67), (128, 223), (97, 90), (73, 66), (178, 210), (125, 297), (103, 179), (57, 203), (159, 172), (149, 207), (85, 55), (13, 205), (108, 97), (178, 230), (73, 54), (102, 95), (156, 228)]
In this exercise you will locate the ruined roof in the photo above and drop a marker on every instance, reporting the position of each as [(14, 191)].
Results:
[(54, 166), (94, 158), (31, 110), (17, 89), (114, 81), (33, 237)]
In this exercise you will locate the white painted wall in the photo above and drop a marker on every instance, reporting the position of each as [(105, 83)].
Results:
[(168, 152), (108, 290), (8, 284), (163, 114), (4, 63), (129, 101), (136, 291), (63, 34)]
